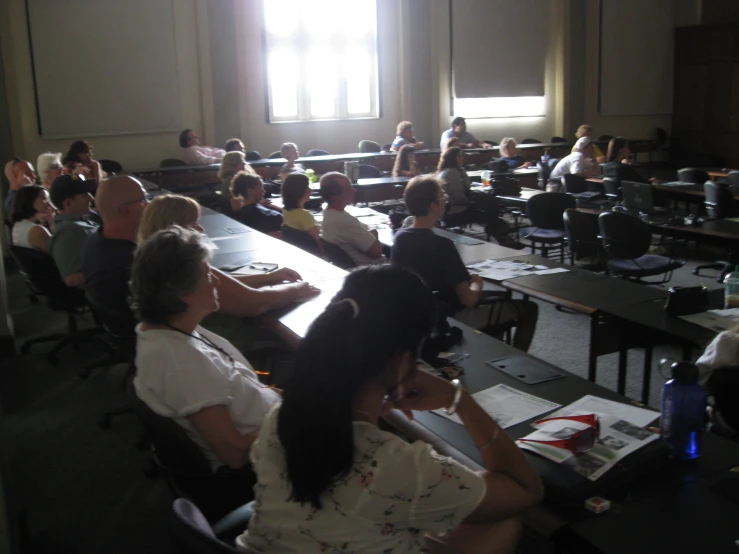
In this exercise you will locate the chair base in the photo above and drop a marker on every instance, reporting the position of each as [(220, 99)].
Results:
[(724, 268), (73, 338)]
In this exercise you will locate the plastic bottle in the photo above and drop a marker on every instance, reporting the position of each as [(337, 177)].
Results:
[(683, 412), (545, 157), (485, 176), (731, 289)]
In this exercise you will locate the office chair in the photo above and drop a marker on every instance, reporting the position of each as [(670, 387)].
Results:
[(733, 178), (626, 241), (191, 532), (545, 169), (387, 147), (367, 171), (581, 232), (722, 388), (302, 240), (574, 184), (612, 189), (531, 141), (545, 211), (253, 156), (605, 137), (557, 139), (316, 152), (171, 162), (719, 204), (337, 256), (367, 146), (43, 280), (692, 175), (274, 155), (111, 167)]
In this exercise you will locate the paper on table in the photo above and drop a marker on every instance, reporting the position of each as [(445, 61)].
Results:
[(507, 406), (502, 270), (551, 270), (715, 320), (590, 404)]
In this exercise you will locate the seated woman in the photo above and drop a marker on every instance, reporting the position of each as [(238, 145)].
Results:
[(618, 163), (289, 151), (404, 135), (361, 488), (79, 160), (231, 164), (510, 155), (295, 193), (32, 216), (183, 371), (49, 167), (249, 206), (405, 162)]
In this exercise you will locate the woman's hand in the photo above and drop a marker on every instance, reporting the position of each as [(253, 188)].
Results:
[(286, 274), (304, 290), (424, 392)]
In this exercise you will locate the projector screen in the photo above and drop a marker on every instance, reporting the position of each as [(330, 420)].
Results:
[(636, 62), (104, 67)]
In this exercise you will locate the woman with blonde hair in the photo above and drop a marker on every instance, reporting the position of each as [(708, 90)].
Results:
[(404, 135), (49, 167), (509, 154), (231, 164), (166, 210)]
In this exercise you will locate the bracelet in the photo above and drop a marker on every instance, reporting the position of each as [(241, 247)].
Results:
[(457, 397), (492, 438)]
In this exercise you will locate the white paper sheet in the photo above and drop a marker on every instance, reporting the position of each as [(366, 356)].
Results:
[(715, 320), (502, 270), (507, 406), (594, 405)]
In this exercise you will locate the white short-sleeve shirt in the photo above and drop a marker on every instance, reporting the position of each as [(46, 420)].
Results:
[(394, 494), (575, 163), (351, 235), (722, 352), (178, 375)]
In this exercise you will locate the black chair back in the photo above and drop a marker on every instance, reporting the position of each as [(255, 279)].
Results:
[(723, 386), (624, 236), (366, 146), (275, 155), (121, 326), (386, 147), (605, 137), (191, 532), (111, 167), (369, 172), (545, 170), (546, 210), (253, 156), (171, 162), (531, 141), (337, 256), (557, 139), (581, 229), (612, 188), (692, 175), (733, 178), (660, 135), (316, 152), (574, 184), (719, 199), (301, 239), (43, 278)]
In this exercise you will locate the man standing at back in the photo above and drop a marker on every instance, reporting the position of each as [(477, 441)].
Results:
[(343, 229)]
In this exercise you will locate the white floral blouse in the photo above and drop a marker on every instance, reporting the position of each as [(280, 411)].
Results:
[(394, 493)]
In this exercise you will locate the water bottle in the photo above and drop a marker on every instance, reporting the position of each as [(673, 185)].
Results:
[(683, 412), (731, 289), (545, 157)]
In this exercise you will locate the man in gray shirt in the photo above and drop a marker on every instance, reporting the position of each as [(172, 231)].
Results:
[(459, 130)]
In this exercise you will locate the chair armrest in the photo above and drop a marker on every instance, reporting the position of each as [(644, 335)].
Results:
[(493, 296)]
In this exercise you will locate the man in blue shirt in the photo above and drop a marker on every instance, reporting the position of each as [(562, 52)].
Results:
[(459, 130)]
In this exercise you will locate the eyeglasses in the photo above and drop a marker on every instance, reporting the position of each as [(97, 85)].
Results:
[(579, 442), (143, 200)]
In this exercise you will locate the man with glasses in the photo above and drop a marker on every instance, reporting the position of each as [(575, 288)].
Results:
[(108, 253)]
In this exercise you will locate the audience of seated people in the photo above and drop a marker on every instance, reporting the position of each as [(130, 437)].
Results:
[(342, 229), (231, 164), (78, 159), (587, 132), (196, 154), (289, 151), (185, 372), (295, 193), (405, 162), (19, 173), (234, 145), (32, 217), (249, 206), (580, 162), (459, 130), (509, 154), (618, 163), (404, 135), (49, 166), (329, 478), (436, 260), (71, 195)]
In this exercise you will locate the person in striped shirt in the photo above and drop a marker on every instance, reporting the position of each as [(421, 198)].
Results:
[(404, 136)]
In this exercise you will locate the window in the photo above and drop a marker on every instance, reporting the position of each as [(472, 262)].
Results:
[(321, 59), (516, 106)]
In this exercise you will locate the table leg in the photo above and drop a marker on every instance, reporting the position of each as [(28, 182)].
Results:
[(592, 357), (647, 374), (623, 351)]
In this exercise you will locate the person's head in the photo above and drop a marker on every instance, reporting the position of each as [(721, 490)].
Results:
[(29, 201), (585, 146), (166, 210), (171, 276), (366, 341), (79, 151), (231, 164), (618, 149), (289, 151), (247, 186), (337, 190), (234, 145), (295, 189), (508, 147), (405, 130), (584, 131), (121, 201), (451, 158), (451, 143), (188, 138), (72, 194), (19, 172), (459, 125), (423, 196), (49, 167), (406, 156)]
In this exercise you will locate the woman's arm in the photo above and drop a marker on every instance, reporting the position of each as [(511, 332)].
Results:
[(215, 425), (40, 238)]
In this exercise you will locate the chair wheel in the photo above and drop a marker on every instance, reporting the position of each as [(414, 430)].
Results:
[(52, 359), (104, 423), (25, 348)]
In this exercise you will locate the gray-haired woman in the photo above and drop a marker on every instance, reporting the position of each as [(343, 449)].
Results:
[(184, 371)]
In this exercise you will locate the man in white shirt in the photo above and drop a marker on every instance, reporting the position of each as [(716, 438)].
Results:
[(343, 229), (577, 163), (195, 153)]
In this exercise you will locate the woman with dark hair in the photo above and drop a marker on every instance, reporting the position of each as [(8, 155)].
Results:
[(32, 215), (79, 160), (328, 478), (456, 182), (405, 162), (295, 193), (249, 206), (618, 165)]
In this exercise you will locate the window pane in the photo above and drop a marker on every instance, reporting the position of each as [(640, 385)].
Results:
[(358, 82), (283, 79), (322, 80), (323, 18), (360, 18), (281, 16)]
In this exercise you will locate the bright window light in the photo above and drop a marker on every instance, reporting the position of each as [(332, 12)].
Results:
[(358, 82), (283, 80), (517, 106), (322, 75), (281, 18)]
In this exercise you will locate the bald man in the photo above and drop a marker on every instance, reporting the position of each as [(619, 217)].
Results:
[(109, 252), (19, 173)]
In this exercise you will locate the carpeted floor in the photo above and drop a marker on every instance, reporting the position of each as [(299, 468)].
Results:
[(83, 490)]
